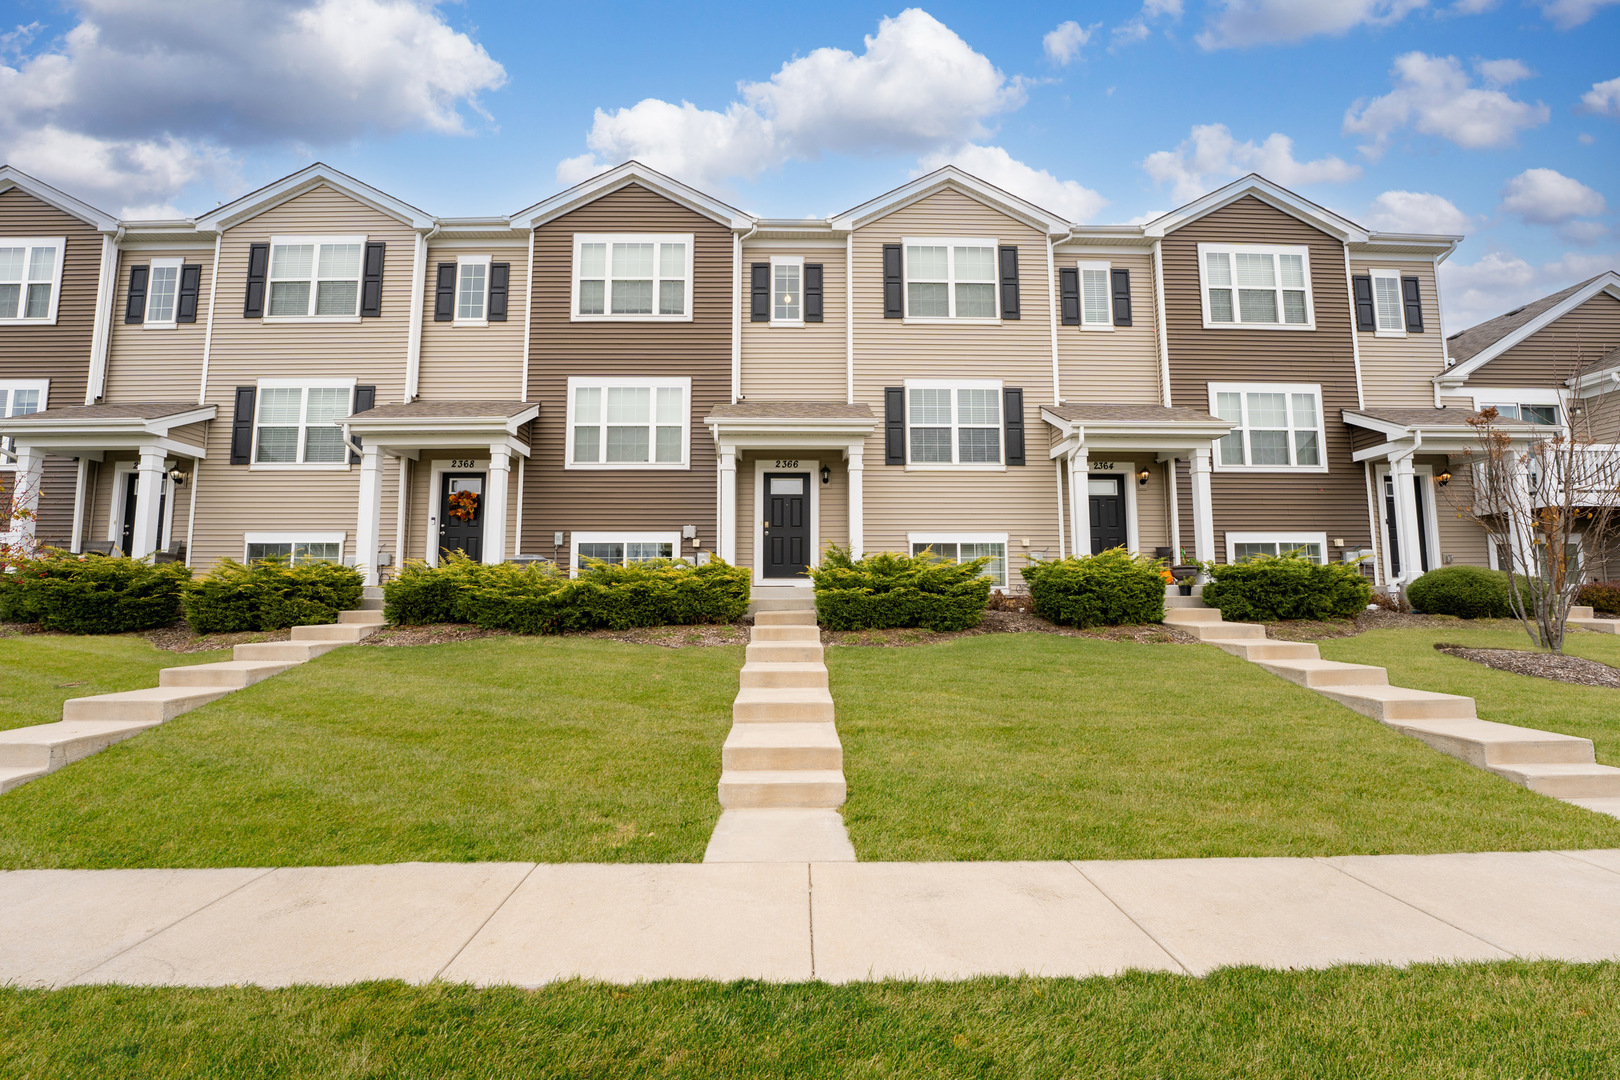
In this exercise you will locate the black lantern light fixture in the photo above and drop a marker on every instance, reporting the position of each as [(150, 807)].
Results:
[(1142, 477), (826, 475), (1444, 478)]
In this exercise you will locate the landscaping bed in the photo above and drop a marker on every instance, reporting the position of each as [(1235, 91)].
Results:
[(1542, 665), (1010, 620)]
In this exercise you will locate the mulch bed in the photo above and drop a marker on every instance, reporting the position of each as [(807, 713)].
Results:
[(180, 638), (1569, 669), (1382, 619), (1009, 622), (670, 637)]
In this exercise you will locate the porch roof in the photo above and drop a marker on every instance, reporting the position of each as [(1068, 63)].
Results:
[(1162, 430), (405, 428), (810, 425), (790, 410), (1090, 412), (1438, 431), (90, 430), (427, 410)]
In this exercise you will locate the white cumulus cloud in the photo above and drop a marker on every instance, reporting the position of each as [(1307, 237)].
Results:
[(1211, 155), (1548, 197), (1603, 98), (1567, 14), (1064, 42), (1236, 24), (1435, 96), (1499, 281), (1067, 198), (1417, 212)]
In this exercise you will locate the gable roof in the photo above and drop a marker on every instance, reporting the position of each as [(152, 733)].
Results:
[(15, 178), (307, 179), (631, 172), (1274, 195), (1471, 349), (950, 177)]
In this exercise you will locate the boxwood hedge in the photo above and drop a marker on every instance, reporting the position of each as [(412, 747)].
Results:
[(1267, 588), (888, 589), (1108, 589), (91, 594), (270, 595)]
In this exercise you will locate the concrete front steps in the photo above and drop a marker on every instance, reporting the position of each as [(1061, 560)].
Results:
[(782, 766), (91, 724), (1560, 766), (1586, 619)]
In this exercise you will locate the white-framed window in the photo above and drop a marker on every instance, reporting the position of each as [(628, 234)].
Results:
[(295, 549), (953, 423), (632, 276), (787, 290), (1256, 286), (1545, 413), (315, 277), (296, 423), (1246, 545), (1276, 427), (30, 278), (951, 278), (1389, 309), (628, 423), (20, 398), (622, 548), (1096, 296), (965, 547), (162, 293), (472, 290)]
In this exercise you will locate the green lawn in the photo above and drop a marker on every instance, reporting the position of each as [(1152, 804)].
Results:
[(555, 750), (1589, 711), (1028, 746), (1433, 1022), (40, 671)]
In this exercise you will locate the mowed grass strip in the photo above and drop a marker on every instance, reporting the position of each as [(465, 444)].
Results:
[(545, 749), (1029, 746), (1431, 1021), (40, 671)]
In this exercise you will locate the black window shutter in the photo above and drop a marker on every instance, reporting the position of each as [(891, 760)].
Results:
[(1412, 301), (185, 305), (258, 271), (894, 306), (1009, 282), (1122, 297), (894, 425), (135, 310), (759, 292), (1012, 399), (371, 281), (500, 285), (1069, 294), (1361, 288), (242, 425), (365, 397), (812, 292), (444, 296)]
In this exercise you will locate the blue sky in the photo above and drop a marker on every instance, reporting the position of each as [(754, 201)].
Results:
[(1495, 118)]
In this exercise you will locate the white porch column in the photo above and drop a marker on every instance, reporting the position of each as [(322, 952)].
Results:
[(368, 521), (728, 504), (857, 502), (1406, 519), (1521, 530), (1174, 496), (1079, 502), (496, 485), (148, 490), (24, 496), (1203, 507)]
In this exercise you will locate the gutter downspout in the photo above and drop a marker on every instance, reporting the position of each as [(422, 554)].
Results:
[(1355, 343), (736, 310), (101, 334), (1164, 334), (413, 341), (1051, 308), (208, 340), (849, 317)]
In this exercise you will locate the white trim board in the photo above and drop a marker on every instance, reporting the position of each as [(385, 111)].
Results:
[(761, 467)]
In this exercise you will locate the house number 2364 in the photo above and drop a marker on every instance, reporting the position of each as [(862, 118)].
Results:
[(780, 464), (1102, 466)]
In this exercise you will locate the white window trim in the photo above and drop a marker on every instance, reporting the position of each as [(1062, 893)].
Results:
[(472, 260), (1529, 395), (172, 323), (685, 384), (306, 385), (31, 242), (1257, 249), (607, 290), (8, 385), (763, 465), (577, 538), (1272, 388), (1285, 541), (1400, 297), (1108, 293), (314, 280), (952, 466), (914, 538), (295, 538), (787, 260), (1431, 518), (950, 243)]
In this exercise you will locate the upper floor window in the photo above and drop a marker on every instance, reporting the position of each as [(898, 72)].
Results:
[(472, 288), (30, 279), (954, 423), (297, 422), (628, 423), (1096, 310), (633, 277), (950, 279), (1546, 415), (19, 399), (787, 289), (315, 276), (1276, 426), (1388, 309), (1256, 285), (162, 292)]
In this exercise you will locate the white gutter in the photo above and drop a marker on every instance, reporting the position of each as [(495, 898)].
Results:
[(736, 309), (1052, 312), (101, 333), (208, 349), (849, 316), (528, 336), (1355, 343), (413, 342), (1164, 333)]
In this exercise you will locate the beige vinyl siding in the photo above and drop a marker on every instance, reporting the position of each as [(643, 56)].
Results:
[(158, 364), (1556, 351), (460, 362), (1119, 365), (422, 503), (1455, 403), (235, 499), (832, 498), (796, 363), (1461, 538), (1395, 371), (1021, 501)]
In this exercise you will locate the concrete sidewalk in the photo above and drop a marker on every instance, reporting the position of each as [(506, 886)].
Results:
[(527, 924)]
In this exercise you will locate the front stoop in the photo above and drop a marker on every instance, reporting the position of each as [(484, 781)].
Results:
[(1561, 766), (1585, 618)]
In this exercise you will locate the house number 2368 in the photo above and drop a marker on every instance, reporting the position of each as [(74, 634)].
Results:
[(461, 463), (780, 464)]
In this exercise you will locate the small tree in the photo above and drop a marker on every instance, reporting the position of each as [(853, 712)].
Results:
[(17, 540)]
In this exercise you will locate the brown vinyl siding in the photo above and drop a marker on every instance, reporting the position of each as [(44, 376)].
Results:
[(1397, 370), (1552, 354), (158, 365), (1120, 364), (797, 363), (585, 500), (1334, 502), (461, 362)]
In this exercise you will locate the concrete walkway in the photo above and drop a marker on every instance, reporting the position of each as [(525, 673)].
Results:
[(527, 924)]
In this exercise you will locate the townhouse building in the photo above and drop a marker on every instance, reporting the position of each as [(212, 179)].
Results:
[(634, 369)]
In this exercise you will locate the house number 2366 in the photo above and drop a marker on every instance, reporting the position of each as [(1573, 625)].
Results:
[(780, 464)]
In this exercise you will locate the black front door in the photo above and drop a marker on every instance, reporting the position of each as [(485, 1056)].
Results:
[(787, 524), (1392, 519), (461, 514), (1107, 513), (132, 486)]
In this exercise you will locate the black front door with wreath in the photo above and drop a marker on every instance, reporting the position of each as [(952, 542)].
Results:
[(461, 514)]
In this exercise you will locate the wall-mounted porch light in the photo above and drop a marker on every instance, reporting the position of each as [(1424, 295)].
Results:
[(826, 475), (1443, 478), (1142, 477)]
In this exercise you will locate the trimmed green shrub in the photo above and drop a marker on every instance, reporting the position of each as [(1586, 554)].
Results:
[(1468, 592), (1111, 588), (421, 594), (270, 595), (90, 594), (1267, 588), (1601, 596), (894, 590)]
